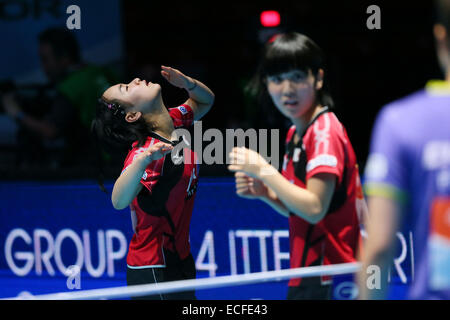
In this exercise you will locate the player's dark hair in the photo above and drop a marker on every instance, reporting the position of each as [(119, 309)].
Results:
[(112, 130), (63, 43), (286, 52)]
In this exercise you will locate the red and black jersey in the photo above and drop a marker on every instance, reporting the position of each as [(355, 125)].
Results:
[(161, 213), (324, 148)]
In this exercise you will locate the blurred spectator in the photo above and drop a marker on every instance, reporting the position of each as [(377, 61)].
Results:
[(408, 183), (75, 87)]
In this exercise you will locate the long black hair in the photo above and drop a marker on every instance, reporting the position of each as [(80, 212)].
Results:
[(112, 133), (111, 129), (283, 53)]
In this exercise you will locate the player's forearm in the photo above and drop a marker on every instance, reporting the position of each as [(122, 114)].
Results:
[(299, 201), (378, 248), (372, 278), (272, 200), (125, 187), (202, 96)]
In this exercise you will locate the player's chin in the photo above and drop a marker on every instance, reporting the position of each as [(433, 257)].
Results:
[(152, 91), (292, 112), (154, 86)]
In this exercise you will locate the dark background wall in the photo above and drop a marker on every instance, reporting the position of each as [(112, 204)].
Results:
[(219, 43)]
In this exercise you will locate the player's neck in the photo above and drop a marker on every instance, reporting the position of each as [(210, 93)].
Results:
[(302, 122), (161, 122)]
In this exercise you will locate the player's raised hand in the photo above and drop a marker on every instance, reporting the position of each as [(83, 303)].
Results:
[(155, 152), (248, 161), (248, 187), (177, 78)]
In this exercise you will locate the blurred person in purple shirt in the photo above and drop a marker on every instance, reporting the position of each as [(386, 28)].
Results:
[(407, 181)]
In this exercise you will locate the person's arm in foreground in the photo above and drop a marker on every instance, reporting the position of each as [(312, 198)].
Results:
[(385, 214)]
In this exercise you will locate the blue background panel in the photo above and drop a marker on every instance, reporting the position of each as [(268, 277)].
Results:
[(47, 227)]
